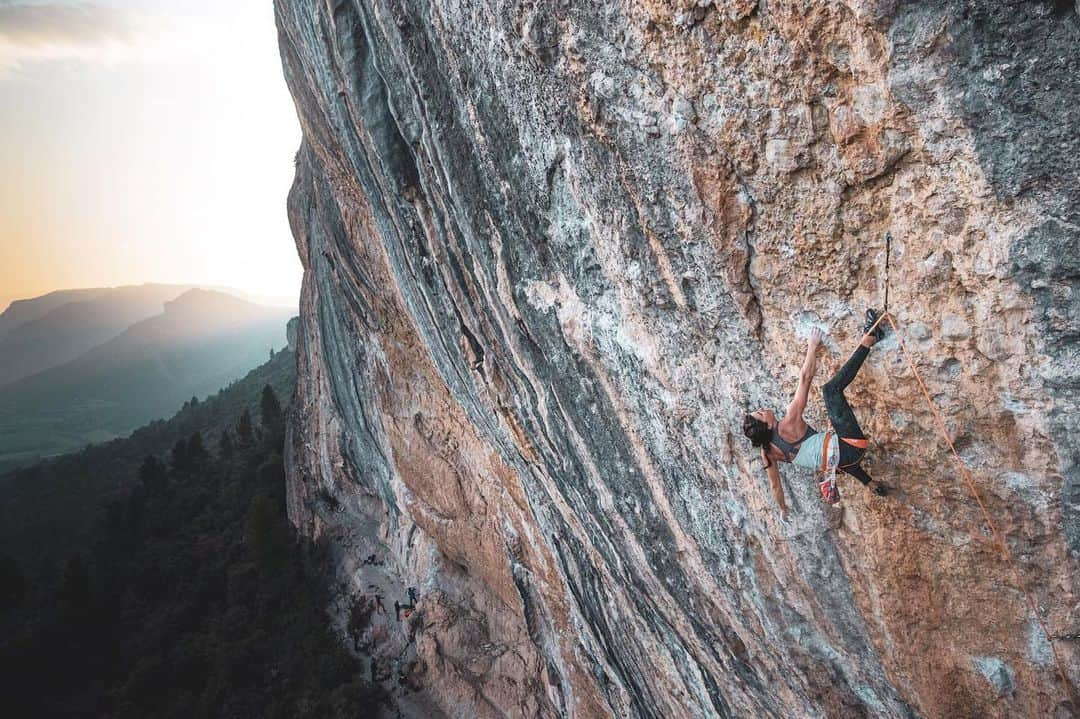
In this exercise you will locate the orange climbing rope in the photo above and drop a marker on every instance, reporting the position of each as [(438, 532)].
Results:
[(966, 474)]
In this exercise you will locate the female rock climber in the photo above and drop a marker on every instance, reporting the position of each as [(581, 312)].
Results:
[(791, 439)]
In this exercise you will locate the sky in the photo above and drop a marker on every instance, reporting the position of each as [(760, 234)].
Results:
[(144, 141)]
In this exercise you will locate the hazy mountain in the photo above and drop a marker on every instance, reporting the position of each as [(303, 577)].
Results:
[(28, 310), (202, 341), (56, 328)]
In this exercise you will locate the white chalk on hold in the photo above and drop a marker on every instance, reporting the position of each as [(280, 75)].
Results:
[(802, 331), (804, 322)]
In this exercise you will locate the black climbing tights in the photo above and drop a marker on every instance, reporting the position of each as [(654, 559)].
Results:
[(855, 470), (843, 417), (840, 412)]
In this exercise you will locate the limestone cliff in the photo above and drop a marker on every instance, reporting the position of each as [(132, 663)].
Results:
[(554, 249)]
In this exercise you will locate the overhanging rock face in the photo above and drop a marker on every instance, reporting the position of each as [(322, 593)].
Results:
[(554, 250)]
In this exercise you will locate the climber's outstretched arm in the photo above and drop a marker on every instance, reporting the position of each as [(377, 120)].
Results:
[(806, 376), (774, 482)]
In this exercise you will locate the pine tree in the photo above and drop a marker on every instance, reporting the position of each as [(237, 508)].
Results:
[(152, 474), (270, 409), (196, 451), (179, 458), (226, 448), (244, 429)]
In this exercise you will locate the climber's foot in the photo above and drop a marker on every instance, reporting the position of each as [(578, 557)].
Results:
[(878, 333), (878, 489)]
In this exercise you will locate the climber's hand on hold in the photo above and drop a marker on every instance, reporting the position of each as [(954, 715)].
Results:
[(814, 340)]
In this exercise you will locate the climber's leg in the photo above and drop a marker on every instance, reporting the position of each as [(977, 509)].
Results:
[(850, 454), (845, 374), (859, 473), (843, 417), (840, 413), (856, 471)]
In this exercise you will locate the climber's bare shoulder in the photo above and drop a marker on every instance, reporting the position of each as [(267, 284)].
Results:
[(792, 426)]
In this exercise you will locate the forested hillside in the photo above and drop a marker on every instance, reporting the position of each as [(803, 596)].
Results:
[(50, 507), (190, 593)]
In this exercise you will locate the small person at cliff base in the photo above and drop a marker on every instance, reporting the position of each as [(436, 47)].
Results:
[(791, 439)]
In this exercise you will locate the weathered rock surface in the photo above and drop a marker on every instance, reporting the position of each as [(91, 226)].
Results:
[(554, 250)]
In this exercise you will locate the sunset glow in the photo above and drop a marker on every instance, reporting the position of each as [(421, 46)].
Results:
[(144, 141)]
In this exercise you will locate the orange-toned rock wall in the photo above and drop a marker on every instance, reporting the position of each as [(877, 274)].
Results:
[(555, 250)]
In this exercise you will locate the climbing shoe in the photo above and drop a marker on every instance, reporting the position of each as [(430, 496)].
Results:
[(872, 316)]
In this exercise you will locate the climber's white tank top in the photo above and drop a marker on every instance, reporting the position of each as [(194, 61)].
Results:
[(810, 451)]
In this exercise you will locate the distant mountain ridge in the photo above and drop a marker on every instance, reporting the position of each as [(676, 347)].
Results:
[(23, 310), (27, 310), (56, 328), (196, 344)]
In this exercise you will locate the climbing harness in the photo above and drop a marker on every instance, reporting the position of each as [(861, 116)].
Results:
[(830, 458), (857, 443), (830, 462), (965, 473)]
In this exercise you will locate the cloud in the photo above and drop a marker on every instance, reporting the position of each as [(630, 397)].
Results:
[(42, 32)]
